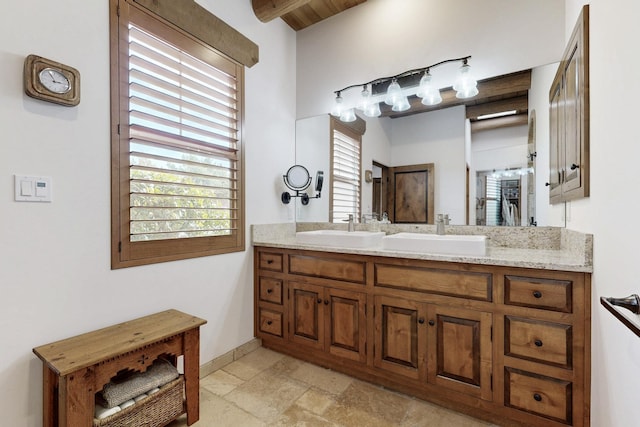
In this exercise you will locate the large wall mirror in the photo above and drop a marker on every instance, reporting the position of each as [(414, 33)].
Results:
[(480, 175)]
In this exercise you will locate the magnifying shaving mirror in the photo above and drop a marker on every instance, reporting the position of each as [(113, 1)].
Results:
[(298, 179)]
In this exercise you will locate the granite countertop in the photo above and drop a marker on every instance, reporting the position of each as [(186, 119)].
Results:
[(548, 248)]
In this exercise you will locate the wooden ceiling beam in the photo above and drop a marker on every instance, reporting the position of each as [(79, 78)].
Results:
[(500, 122), (267, 10), (520, 104)]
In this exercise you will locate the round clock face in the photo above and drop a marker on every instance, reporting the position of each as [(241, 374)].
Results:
[(54, 81)]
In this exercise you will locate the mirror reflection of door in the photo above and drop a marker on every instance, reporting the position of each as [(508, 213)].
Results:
[(499, 198), (412, 199)]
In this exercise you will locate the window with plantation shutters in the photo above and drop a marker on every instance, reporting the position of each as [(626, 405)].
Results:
[(179, 170), (345, 172)]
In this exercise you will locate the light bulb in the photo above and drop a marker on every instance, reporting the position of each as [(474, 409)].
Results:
[(465, 85), (365, 97), (348, 115), (402, 104), (372, 109), (430, 94), (394, 93), (338, 108)]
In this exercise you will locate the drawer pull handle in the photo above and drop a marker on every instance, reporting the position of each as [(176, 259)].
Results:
[(538, 343), (269, 261), (431, 322), (421, 320), (269, 291), (269, 322), (537, 294), (537, 397)]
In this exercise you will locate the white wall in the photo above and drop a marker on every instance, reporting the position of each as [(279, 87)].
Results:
[(611, 212), (439, 138), (313, 151), (55, 271)]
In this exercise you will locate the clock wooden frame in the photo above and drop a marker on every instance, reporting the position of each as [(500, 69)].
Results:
[(33, 64)]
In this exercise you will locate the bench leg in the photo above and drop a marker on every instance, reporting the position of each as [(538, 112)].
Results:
[(192, 374)]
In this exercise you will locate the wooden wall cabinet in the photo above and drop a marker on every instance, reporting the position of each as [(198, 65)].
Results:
[(509, 345), (569, 119)]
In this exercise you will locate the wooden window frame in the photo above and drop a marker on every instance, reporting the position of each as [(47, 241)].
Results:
[(125, 253)]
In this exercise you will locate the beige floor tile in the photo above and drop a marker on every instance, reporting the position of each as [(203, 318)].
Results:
[(296, 416), (267, 395), (253, 363), (286, 366), (424, 414), (220, 382), (385, 406), (315, 401), (217, 412), (325, 379)]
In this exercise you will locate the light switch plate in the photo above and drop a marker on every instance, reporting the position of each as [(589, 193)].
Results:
[(29, 188)]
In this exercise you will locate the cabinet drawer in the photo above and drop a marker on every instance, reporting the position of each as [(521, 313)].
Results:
[(270, 261), (270, 290), (271, 322), (537, 394), (466, 284), (538, 341), (538, 293), (338, 269)]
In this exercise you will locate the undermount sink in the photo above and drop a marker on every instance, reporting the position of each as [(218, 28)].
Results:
[(340, 238), (436, 244)]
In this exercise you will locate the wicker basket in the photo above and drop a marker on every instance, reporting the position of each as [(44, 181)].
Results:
[(154, 411)]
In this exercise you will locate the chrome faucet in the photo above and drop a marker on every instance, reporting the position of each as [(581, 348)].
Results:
[(440, 221), (351, 226)]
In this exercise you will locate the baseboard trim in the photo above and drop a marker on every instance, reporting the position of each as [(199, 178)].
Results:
[(230, 356)]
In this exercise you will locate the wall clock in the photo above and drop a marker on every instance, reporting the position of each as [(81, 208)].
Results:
[(51, 81)]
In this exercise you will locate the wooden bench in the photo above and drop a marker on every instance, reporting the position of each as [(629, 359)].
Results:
[(76, 368)]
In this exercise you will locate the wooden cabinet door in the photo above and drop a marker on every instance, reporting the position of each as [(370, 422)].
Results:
[(412, 194), (459, 351), (306, 319), (400, 336), (346, 324)]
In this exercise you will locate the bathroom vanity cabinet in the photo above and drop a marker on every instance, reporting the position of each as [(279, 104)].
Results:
[(507, 344)]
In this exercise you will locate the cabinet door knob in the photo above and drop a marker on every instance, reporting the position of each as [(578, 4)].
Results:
[(431, 322), (421, 320), (326, 302), (538, 343), (574, 166), (319, 300), (269, 322), (537, 397), (546, 184), (537, 294)]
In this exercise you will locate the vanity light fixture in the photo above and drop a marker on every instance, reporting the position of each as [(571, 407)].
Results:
[(398, 97)]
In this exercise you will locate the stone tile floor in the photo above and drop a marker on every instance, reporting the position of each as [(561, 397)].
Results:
[(265, 388)]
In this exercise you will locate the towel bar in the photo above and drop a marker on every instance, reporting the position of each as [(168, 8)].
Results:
[(631, 303)]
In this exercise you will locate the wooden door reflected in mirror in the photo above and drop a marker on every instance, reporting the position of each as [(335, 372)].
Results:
[(412, 194)]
